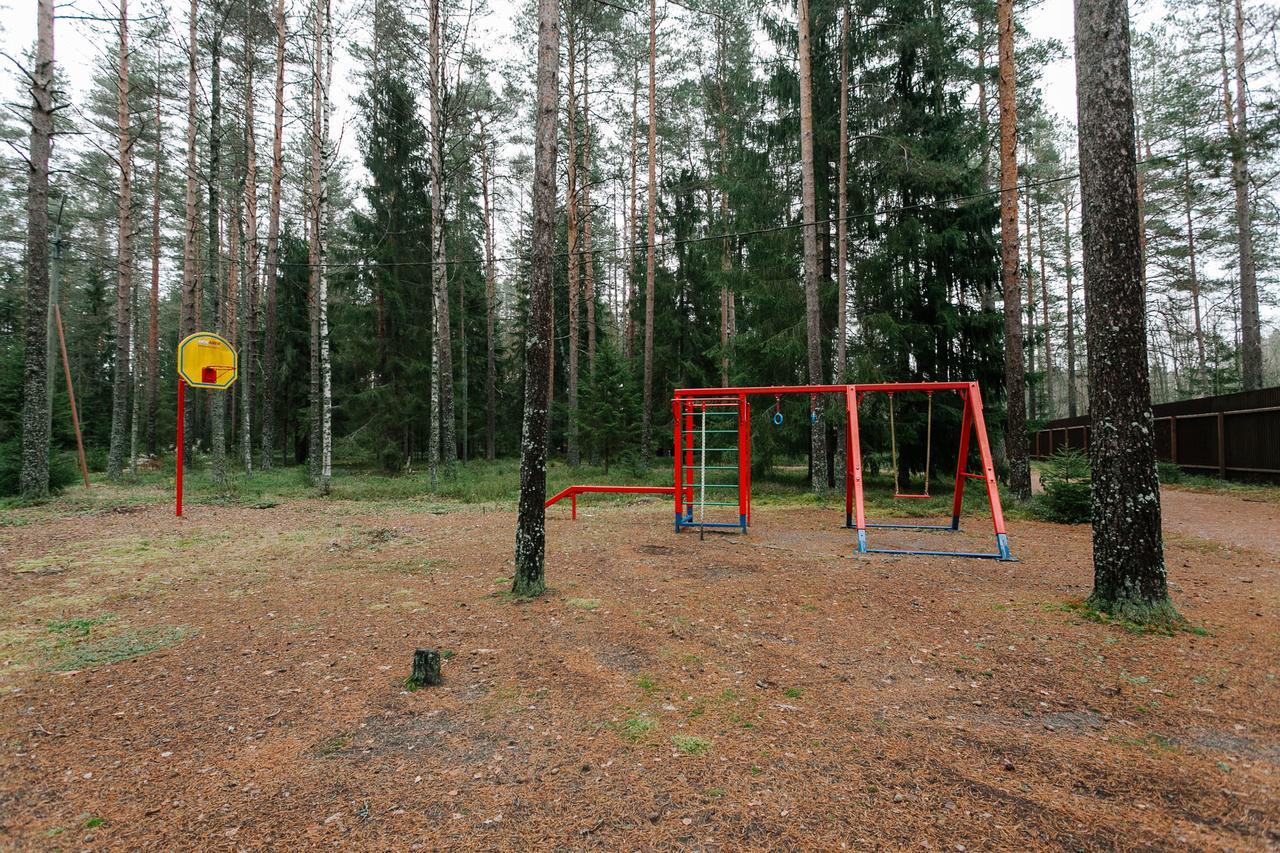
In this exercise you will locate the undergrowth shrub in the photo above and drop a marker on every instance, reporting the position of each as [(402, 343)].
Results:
[(1169, 473), (1066, 488)]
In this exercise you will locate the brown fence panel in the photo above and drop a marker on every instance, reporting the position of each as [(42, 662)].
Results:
[(1230, 435)]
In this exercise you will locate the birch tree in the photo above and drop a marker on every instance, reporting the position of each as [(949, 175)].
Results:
[(272, 261), (124, 258), (812, 297)]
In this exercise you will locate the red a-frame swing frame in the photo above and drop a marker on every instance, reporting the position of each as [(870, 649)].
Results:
[(686, 401)]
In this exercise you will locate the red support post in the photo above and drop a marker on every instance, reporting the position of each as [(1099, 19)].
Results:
[(989, 472), (855, 460), (962, 462), (180, 448), (677, 457)]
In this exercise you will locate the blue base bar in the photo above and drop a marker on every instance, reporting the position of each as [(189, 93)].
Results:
[(935, 553), (1002, 542), (732, 525), (862, 541), (742, 520)]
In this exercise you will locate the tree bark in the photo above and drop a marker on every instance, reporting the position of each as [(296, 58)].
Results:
[(213, 273), (588, 259), (1194, 278), (249, 288), (1014, 376), (842, 228), (529, 577), (646, 416), (1069, 270), (35, 367), (190, 299), (124, 259), (1129, 571), (1044, 314), (812, 296), (1238, 132), (153, 320), (632, 230), (442, 439), (273, 252), (571, 234), (490, 295)]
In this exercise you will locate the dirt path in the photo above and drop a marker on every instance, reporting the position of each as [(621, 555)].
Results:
[(1240, 523), (234, 681)]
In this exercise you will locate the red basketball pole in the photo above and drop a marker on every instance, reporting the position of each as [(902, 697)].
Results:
[(181, 446)]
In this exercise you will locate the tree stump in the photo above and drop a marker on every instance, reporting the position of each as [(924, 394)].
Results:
[(426, 668)]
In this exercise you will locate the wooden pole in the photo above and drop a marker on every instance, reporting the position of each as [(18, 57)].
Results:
[(71, 395)]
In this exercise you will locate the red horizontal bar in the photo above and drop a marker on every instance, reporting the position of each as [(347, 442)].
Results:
[(631, 490), (765, 390)]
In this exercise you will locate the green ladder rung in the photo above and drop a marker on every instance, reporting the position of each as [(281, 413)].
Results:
[(719, 467), (713, 503), (696, 431), (715, 485)]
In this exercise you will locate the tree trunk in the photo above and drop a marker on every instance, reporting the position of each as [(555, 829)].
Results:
[(190, 296), (571, 232), (1129, 572), (529, 577), (273, 253), (153, 320), (124, 259), (726, 264), (1014, 377), (35, 368), (1072, 402), (1191, 260), (633, 232), (589, 261), (1238, 132), (842, 230), (443, 435), (812, 296), (490, 293), (646, 416), (1033, 407), (324, 61), (1044, 315), (248, 314), (213, 272)]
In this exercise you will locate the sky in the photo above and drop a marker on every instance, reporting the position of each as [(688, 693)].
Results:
[(79, 43)]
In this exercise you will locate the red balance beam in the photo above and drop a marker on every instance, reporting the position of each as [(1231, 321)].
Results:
[(572, 493)]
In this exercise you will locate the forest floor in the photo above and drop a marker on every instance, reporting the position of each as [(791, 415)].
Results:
[(235, 680)]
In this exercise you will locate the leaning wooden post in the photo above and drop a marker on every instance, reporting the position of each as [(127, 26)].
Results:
[(71, 395)]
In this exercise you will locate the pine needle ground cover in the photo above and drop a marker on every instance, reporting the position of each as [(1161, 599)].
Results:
[(237, 679)]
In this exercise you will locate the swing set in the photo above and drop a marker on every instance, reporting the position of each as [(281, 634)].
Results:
[(711, 444)]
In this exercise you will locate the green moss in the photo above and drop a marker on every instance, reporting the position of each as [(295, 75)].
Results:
[(690, 745)]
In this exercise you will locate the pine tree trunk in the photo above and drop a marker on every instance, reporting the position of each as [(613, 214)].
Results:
[(490, 295), (812, 296), (651, 198), (315, 453), (249, 287), (842, 231), (443, 440), (1069, 270), (153, 320), (1044, 315), (190, 298), (529, 576), (571, 232), (726, 264), (1129, 572), (124, 259), (213, 274), (589, 261), (1014, 377), (35, 363), (1194, 278), (1238, 132), (273, 252), (1033, 407), (633, 232)]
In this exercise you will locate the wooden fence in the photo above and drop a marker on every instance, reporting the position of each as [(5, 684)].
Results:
[(1230, 435)]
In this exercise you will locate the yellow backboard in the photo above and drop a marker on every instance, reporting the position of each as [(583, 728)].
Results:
[(206, 360)]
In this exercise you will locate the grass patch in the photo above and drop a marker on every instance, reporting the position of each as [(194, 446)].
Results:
[(646, 684), (690, 745), (1162, 622), (585, 603), (793, 693), (636, 728), (77, 647)]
